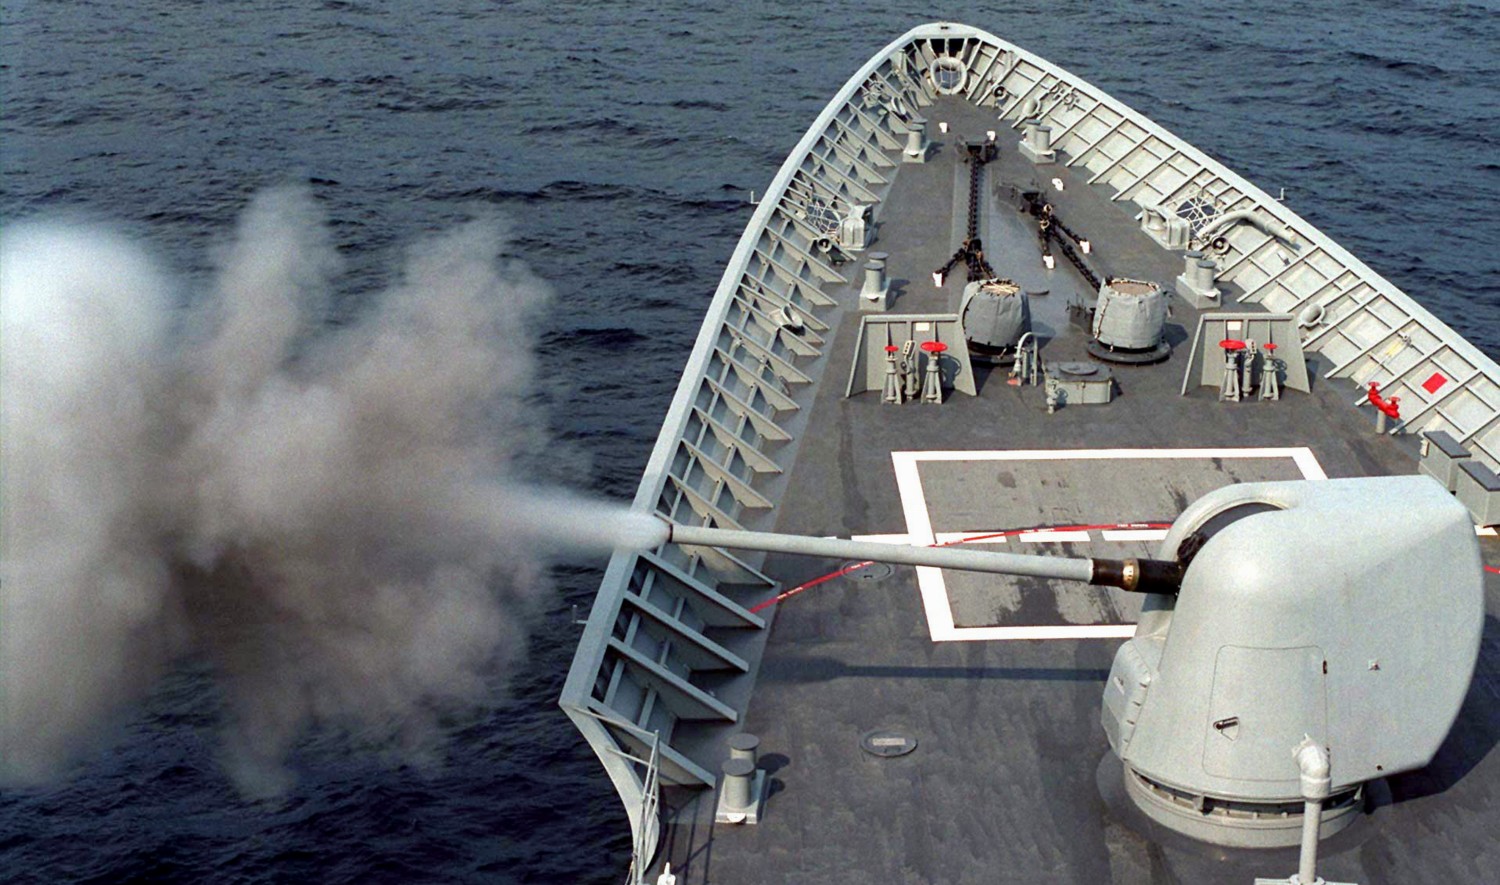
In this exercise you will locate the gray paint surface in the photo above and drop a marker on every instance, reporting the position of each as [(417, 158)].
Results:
[(1003, 786), (1008, 792)]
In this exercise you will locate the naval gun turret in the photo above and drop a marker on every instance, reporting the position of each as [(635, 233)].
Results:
[(1339, 615)]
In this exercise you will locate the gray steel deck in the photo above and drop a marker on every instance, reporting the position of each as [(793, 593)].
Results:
[(1005, 785)]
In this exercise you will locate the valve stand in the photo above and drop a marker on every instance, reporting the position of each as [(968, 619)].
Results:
[(932, 385), (1229, 388), (892, 393), (1385, 408), (1270, 373)]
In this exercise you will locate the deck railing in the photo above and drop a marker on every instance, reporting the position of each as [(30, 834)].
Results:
[(666, 639)]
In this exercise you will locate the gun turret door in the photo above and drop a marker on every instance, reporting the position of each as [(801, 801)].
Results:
[(1264, 701)]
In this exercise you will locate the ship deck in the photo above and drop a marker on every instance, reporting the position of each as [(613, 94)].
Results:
[(999, 680)]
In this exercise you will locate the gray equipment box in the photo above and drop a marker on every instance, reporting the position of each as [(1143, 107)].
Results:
[(1441, 455), (1075, 384), (1479, 490)]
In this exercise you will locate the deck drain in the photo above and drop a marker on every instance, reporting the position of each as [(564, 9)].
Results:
[(887, 743), (875, 571)]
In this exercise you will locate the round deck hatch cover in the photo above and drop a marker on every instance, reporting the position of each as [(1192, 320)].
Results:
[(886, 744), (875, 571), (1077, 368)]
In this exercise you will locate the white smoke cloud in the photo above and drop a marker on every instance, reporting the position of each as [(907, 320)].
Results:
[(82, 323), (327, 515)]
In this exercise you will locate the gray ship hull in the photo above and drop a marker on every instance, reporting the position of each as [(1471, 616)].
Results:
[(775, 426)]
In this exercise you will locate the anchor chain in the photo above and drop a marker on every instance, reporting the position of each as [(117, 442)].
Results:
[(971, 253), (1049, 226)]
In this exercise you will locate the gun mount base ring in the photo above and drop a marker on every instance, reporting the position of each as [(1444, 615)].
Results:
[(1237, 824), (1129, 357)]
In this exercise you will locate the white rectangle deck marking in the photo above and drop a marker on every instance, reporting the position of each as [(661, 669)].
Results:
[(913, 502), (1076, 536), (1054, 535), (880, 539), (1308, 464), (948, 538), (1134, 534), (935, 604), (1062, 631), (919, 529), (1306, 456)]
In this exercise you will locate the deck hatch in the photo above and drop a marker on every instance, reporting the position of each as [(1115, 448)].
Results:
[(1264, 700)]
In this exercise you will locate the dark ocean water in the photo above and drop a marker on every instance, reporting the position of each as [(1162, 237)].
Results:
[(621, 143)]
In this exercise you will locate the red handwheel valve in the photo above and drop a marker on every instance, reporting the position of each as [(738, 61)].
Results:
[(1389, 408)]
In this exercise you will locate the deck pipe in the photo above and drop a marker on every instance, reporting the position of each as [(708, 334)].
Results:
[(1200, 271), (1317, 784), (1268, 227), (916, 139), (1136, 575), (744, 746), (874, 286), (1039, 137), (737, 778)]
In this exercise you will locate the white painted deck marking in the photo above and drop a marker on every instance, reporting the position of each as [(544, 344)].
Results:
[(970, 538), (919, 530), (1306, 461), (1075, 536), (1134, 534), (1062, 631), (880, 539), (1053, 535)]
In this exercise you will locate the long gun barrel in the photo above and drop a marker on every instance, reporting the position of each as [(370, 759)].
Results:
[(1136, 575)]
